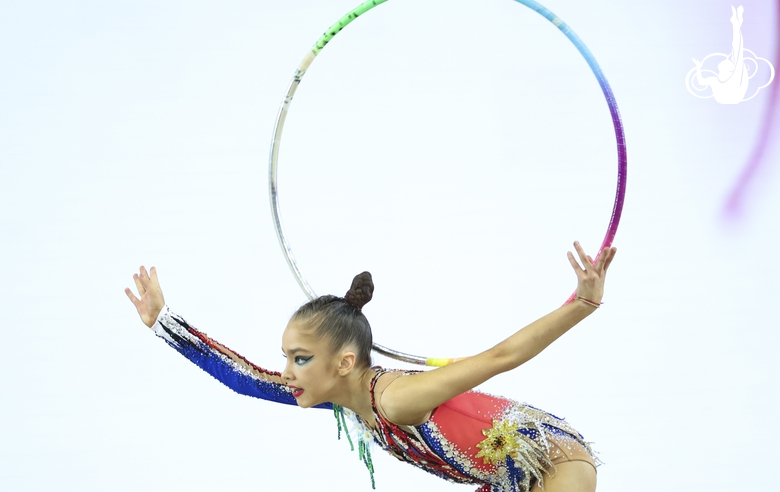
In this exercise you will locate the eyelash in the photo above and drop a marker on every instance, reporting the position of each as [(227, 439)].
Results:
[(300, 360)]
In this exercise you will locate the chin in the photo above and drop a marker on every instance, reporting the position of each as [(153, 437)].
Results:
[(305, 404)]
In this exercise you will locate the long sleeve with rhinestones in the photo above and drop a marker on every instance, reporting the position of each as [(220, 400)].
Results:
[(225, 365)]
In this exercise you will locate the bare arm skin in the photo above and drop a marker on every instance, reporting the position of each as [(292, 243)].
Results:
[(409, 399)]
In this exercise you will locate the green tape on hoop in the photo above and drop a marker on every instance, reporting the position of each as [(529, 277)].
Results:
[(342, 23)]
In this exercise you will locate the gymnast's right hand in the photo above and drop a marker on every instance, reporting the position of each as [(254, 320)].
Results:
[(152, 301)]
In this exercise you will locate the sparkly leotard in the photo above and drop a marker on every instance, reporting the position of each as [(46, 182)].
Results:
[(496, 443), (482, 439)]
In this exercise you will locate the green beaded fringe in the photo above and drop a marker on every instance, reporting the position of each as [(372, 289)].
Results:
[(364, 451)]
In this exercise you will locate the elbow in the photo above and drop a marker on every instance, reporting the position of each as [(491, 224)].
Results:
[(510, 354), (503, 358)]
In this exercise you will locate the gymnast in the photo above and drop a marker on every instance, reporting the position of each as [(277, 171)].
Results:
[(431, 419)]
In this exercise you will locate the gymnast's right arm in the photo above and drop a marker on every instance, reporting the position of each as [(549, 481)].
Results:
[(227, 366)]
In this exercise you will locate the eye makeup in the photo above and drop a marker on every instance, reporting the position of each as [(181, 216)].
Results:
[(300, 360)]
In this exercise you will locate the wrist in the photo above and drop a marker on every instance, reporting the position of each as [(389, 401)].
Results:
[(595, 304), (161, 314)]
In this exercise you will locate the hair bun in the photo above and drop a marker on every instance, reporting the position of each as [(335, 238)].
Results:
[(361, 291)]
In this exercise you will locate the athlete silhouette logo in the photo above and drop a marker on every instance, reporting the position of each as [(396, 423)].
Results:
[(731, 82)]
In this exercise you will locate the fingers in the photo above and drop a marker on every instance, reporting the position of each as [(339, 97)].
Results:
[(583, 257), (146, 281), (613, 251), (143, 282), (603, 260), (577, 268), (132, 298), (144, 276), (139, 285)]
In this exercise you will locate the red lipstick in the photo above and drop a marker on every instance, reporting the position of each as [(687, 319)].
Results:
[(296, 392)]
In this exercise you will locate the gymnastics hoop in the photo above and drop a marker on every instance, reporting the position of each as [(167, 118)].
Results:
[(620, 194)]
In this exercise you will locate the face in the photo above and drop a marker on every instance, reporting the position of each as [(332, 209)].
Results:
[(313, 370)]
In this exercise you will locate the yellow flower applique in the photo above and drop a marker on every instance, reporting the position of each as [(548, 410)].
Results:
[(501, 440)]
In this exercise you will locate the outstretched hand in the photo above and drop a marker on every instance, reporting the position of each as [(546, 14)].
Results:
[(152, 301), (590, 276)]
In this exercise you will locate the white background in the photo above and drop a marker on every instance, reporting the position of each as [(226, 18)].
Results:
[(455, 150)]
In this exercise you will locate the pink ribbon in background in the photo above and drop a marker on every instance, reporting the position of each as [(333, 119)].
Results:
[(734, 206)]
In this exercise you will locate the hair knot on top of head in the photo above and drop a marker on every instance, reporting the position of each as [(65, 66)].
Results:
[(341, 319), (361, 291)]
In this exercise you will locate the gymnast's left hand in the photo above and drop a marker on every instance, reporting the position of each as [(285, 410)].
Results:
[(152, 301), (590, 276)]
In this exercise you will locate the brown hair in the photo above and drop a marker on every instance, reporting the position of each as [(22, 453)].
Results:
[(341, 319)]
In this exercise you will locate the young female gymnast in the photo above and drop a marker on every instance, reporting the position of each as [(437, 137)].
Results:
[(431, 419)]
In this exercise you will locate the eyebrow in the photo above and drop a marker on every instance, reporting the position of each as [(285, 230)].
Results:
[(296, 349)]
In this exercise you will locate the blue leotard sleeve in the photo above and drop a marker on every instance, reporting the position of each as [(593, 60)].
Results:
[(227, 366)]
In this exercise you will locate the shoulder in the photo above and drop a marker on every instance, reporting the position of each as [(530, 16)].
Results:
[(392, 408)]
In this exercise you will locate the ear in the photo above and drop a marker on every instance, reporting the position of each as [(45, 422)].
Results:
[(347, 363)]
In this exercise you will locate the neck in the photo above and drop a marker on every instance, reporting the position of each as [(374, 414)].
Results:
[(355, 393)]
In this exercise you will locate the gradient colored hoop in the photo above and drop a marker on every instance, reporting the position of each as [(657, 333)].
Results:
[(301, 70)]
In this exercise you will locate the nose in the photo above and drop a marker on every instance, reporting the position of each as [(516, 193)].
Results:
[(287, 374)]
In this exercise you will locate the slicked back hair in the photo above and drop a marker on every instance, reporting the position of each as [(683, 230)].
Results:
[(341, 319)]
